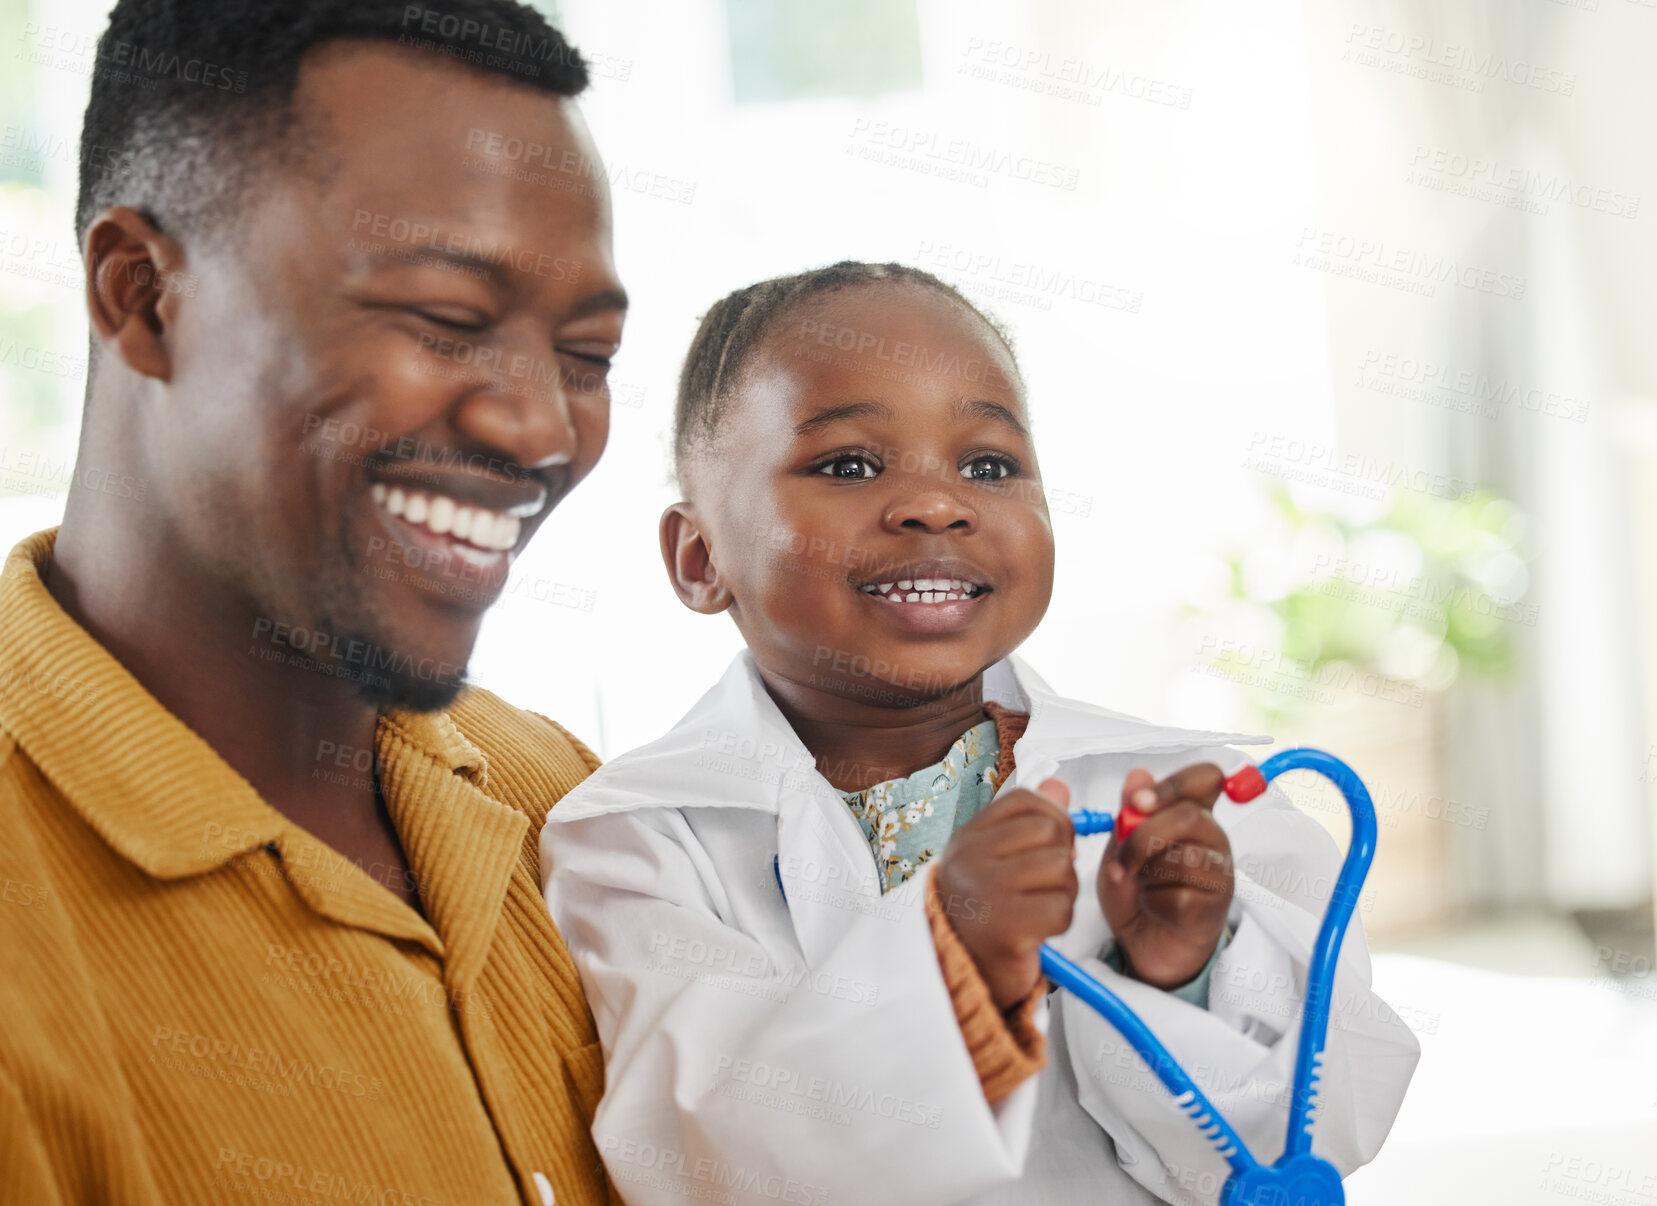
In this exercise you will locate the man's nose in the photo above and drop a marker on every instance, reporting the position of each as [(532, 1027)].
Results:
[(525, 415)]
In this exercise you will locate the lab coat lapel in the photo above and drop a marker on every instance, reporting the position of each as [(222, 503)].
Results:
[(824, 864), (826, 868), (1063, 729), (733, 749)]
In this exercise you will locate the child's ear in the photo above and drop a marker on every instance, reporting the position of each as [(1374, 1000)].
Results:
[(689, 561)]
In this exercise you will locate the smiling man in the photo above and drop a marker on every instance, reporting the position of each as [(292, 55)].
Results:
[(272, 923)]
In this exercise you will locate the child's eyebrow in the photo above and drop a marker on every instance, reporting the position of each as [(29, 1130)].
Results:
[(846, 410), (980, 408)]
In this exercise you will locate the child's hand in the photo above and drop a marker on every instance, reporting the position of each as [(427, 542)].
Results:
[(1016, 857), (1166, 889)]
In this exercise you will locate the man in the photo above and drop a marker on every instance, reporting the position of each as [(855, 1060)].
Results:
[(273, 927), (349, 353)]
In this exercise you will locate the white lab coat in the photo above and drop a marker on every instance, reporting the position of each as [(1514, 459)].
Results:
[(777, 1030)]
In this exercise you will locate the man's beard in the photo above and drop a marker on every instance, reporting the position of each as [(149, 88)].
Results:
[(346, 639), (378, 674), (407, 683)]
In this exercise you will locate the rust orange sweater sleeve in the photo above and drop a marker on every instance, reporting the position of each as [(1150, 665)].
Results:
[(1006, 1048)]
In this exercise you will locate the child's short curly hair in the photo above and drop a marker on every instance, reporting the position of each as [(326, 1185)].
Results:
[(734, 326)]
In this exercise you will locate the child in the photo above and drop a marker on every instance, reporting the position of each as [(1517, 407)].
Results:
[(809, 939)]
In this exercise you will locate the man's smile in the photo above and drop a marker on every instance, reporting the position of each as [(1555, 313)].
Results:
[(448, 526), (469, 528), (477, 519)]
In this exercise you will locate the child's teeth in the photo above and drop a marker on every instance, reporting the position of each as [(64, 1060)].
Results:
[(415, 510), (378, 491), (905, 585), (923, 584), (884, 587), (442, 516), (394, 501), (952, 595), (462, 524), (912, 597)]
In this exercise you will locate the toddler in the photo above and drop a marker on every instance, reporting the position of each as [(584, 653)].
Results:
[(808, 917)]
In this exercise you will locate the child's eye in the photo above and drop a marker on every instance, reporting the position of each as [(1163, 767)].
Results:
[(988, 468), (850, 468)]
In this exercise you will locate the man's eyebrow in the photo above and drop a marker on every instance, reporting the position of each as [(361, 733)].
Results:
[(472, 264), (593, 303), (500, 273), (845, 410), (979, 408)]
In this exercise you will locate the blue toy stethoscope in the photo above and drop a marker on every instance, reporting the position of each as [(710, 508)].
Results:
[(1298, 1178)]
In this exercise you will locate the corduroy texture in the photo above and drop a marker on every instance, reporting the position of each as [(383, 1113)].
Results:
[(203, 1003), (1007, 1049), (1009, 727)]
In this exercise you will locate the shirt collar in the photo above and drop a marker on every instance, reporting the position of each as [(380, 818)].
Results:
[(735, 749), (140, 777), (921, 785), (1061, 728)]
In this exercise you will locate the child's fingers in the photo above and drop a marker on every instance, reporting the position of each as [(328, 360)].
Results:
[(1200, 784), (1055, 790), (1040, 869), (1186, 823), (1138, 790), (1036, 915), (1042, 916), (1196, 866), (1022, 819)]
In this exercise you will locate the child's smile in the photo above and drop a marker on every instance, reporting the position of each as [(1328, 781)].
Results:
[(861, 512), (929, 596)]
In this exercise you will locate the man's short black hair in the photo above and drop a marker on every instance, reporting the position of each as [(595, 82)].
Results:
[(188, 96), (736, 324)]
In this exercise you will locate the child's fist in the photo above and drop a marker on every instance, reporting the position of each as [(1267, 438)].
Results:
[(1016, 856), (1166, 889)]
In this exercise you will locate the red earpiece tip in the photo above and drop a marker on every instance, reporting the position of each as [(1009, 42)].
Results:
[(1245, 784), (1129, 819)]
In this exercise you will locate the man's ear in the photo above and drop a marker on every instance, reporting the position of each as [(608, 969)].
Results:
[(689, 561), (134, 280)]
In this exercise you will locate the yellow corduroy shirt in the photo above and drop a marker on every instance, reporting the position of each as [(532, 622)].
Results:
[(200, 1002)]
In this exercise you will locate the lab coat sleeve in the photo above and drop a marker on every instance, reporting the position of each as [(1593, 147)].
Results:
[(1241, 1050), (735, 1072)]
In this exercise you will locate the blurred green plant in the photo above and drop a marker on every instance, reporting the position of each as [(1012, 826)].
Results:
[(1429, 591)]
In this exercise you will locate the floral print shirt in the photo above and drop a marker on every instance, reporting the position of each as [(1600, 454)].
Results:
[(909, 821)]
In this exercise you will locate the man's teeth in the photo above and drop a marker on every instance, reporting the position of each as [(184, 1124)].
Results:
[(924, 590), (495, 531)]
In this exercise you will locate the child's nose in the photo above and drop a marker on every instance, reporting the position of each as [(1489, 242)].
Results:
[(930, 511)]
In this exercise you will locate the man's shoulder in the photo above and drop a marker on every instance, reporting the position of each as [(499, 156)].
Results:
[(532, 759)]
